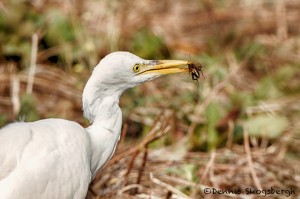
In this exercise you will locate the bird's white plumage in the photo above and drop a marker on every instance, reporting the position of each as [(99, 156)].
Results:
[(56, 158), (45, 159)]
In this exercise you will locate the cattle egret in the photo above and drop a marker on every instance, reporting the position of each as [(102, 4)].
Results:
[(57, 158)]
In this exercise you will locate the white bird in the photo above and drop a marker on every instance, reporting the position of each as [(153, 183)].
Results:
[(57, 158)]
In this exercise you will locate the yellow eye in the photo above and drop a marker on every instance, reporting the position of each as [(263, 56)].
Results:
[(136, 68)]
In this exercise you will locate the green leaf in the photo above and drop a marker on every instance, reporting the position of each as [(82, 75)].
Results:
[(264, 125), (213, 115), (267, 89), (189, 171)]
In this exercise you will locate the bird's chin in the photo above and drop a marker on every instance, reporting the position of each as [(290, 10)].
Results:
[(149, 77)]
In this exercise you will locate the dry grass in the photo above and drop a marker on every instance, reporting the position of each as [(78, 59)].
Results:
[(139, 170), (136, 175)]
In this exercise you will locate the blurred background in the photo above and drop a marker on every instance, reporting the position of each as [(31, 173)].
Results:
[(237, 128)]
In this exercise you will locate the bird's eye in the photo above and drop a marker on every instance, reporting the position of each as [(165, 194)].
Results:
[(136, 68)]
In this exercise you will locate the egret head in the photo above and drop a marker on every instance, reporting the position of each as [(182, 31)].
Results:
[(119, 71)]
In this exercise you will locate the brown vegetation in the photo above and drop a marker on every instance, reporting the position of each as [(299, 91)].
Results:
[(178, 138)]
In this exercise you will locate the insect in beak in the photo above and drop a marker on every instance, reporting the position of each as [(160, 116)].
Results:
[(196, 71)]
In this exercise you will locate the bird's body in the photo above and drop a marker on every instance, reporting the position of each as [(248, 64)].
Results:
[(57, 158), (45, 159)]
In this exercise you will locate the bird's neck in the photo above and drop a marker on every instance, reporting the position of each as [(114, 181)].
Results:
[(101, 107), (105, 131)]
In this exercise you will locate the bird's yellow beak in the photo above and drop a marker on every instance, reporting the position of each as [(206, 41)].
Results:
[(165, 67)]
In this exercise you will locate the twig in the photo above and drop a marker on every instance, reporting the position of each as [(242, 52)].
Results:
[(179, 181), (249, 159), (129, 187), (146, 196), (142, 168), (123, 133), (211, 170), (230, 136), (284, 145), (209, 164), (167, 186), (282, 29), (150, 186), (15, 90), (32, 68), (130, 166), (206, 170), (138, 181)]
